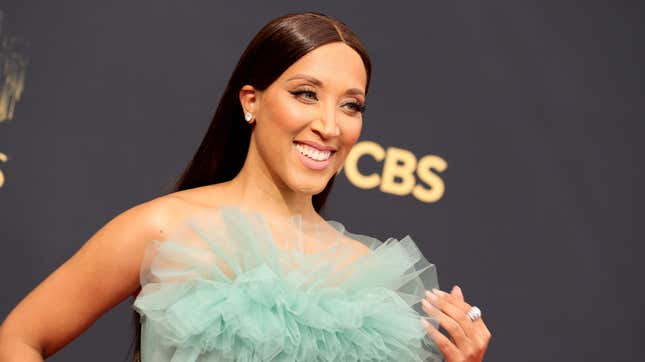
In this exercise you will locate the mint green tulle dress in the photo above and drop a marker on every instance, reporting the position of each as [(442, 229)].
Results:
[(231, 284)]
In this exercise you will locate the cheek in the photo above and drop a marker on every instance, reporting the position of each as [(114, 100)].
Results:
[(286, 116), (351, 132)]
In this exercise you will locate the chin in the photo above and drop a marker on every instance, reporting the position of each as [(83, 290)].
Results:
[(311, 188)]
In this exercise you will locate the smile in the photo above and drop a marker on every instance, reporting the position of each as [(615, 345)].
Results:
[(313, 153), (313, 158)]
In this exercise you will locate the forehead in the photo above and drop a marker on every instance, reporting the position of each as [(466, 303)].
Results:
[(336, 64)]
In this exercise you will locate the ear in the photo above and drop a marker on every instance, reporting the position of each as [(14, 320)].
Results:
[(249, 99)]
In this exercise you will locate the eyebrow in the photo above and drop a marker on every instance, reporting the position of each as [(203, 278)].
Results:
[(317, 82)]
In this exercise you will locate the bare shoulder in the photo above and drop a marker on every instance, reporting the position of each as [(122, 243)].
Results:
[(159, 215), (154, 217)]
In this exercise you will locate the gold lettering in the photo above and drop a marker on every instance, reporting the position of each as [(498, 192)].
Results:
[(3, 158), (424, 171), (403, 170), (351, 164)]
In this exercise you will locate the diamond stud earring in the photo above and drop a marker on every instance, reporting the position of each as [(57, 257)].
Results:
[(248, 117)]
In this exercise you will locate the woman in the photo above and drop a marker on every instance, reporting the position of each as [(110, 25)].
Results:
[(237, 263)]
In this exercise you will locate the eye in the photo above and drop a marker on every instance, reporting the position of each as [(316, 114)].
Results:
[(308, 94), (311, 95), (357, 107)]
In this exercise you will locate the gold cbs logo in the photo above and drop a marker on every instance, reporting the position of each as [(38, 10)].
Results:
[(3, 158), (397, 163)]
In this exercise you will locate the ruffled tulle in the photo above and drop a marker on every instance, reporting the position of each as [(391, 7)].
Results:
[(233, 285)]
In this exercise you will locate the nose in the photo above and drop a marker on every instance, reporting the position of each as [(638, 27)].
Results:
[(326, 125)]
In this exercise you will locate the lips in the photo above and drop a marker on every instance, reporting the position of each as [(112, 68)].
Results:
[(316, 145), (311, 163)]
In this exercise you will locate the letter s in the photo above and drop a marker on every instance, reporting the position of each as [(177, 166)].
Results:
[(3, 158), (424, 171)]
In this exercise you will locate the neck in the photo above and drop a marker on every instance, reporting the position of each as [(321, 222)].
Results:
[(257, 188)]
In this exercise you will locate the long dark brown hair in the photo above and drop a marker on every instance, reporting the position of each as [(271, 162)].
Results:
[(278, 45)]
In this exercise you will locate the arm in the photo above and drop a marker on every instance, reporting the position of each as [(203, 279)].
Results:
[(101, 274)]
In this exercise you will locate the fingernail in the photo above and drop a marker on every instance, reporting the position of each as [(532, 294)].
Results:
[(426, 304), (425, 323), (438, 292), (430, 295)]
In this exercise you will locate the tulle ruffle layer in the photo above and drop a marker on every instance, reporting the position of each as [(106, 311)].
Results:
[(232, 285)]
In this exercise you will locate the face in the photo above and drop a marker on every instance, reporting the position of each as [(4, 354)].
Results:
[(307, 121)]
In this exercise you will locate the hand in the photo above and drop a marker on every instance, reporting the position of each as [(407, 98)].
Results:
[(468, 339)]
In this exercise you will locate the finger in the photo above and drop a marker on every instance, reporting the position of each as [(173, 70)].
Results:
[(457, 298), (482, 334), (477, 333), (456, 291), (452, 307), (446, 347), (450, 325)]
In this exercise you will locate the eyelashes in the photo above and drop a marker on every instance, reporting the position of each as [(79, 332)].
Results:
[(355, 106)]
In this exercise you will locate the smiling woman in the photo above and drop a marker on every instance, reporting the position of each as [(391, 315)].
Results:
[(309, 117), (237, 264)]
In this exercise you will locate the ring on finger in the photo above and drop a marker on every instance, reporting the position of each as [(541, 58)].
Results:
[(474, 313)]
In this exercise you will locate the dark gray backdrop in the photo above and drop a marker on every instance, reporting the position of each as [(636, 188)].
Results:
[(537, 107)]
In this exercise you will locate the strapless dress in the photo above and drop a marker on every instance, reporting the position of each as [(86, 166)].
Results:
[(231, 284)]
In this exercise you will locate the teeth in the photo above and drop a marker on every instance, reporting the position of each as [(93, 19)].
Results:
[(312, 152)]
